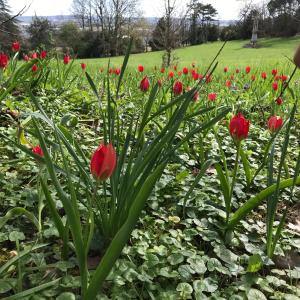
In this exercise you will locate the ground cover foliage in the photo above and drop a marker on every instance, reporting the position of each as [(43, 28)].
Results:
[(185, 236)]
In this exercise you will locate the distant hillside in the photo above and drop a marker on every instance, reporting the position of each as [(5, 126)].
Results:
[(59, 19), (54, 19)]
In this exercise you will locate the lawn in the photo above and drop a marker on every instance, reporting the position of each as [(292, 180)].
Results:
[(271, 52)]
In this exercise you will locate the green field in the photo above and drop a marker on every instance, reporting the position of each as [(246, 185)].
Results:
[(271, 52)]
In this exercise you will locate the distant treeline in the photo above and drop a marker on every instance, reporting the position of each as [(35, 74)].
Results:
[(104, 27)]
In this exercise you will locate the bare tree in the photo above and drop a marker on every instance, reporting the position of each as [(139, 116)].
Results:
[(170, 30), (123, 12), (111, 19), (79, 9)]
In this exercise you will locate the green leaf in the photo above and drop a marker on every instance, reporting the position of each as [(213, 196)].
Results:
[(255, 263), (20, 255), (17, 211), (16, 236), (185, 290), (175, 259), (33, 290), (182, 175), (66, 296), (120, 239), (5, 286), (255, 294), (225, 187), (255, 201), (246, 166)]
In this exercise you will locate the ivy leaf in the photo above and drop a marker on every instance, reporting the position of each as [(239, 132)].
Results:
[(185, 290), (16, 236), (255, 263), (182, 175), (175, 259), (66, 296), (255, 294)]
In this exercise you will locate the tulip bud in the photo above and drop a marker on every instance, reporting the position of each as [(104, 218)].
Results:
[(66, 59), (38, 151), (3, 60), (275, 123), (239, 127), (178, 87), (103, 162), (140, 68), (212, 96), (145, 84), (16, 46)]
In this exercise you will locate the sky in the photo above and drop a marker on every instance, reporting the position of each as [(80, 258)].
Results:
[(227, 9)]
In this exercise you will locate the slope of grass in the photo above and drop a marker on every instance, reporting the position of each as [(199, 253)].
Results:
[(271, 52)]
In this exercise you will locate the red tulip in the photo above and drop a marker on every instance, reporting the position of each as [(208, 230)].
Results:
[(239, 127), (34, 55), (228, 83), (177, 87), (117, 71), (283, 78), (264, 75), (145, 84), (237, 71), (43, 54), (193, 65), (208, 78), (83, 66), (275, 123), (279, 101), (34, 68), (231, 77), (225, 70), (38, 150), (253, 77), (3, 60), (140, 68), (212, 96), (195, 75), (103, 162), (247, 69), (175, 68), (159, 82), (15, 46), (185, 71), (66, 59), (275, 86), (171, 74), (26, 57), (277, 77), (162, 70), (274, 72)]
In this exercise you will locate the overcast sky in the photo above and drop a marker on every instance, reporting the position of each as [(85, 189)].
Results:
[(227, 9)]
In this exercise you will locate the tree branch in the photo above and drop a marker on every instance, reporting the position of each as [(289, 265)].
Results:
[(21, 12)]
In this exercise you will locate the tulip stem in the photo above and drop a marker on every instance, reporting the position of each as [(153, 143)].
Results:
[(234, 177)]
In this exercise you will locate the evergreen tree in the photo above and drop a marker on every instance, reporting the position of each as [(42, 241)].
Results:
[(9, 30), (202, 22), (157, 41), (41, 33)]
